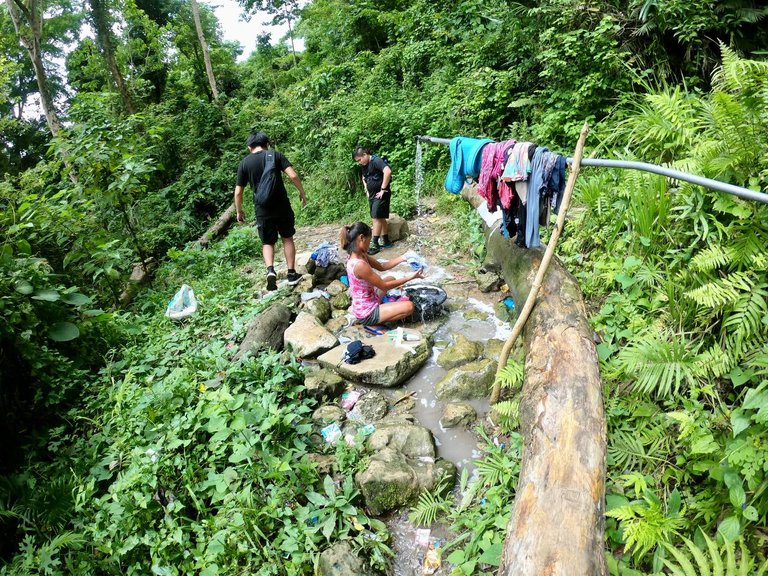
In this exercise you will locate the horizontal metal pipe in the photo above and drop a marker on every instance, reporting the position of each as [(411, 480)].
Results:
[(677, 175), (434, 140), (653, 168)]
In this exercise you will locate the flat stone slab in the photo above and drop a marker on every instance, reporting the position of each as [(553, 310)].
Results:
[(391, 366), (306, 337)]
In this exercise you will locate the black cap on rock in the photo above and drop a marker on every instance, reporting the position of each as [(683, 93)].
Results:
[(257, 139)]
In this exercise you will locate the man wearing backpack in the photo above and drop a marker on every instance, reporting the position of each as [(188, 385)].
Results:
[(262, 170), (376, 178)]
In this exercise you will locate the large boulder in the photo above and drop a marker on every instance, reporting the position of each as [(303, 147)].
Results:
[(391, 366), (471, 381), (328, 414), (341, 301), (392, 480), (307, 337), (324, 275), (410, 440), (341, 560), (371, 407), (266, 330), (320, 308), (458, 414), (397, 227), (462, 351), (321, 384)]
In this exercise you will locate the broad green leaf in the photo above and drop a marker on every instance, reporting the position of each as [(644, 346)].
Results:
[(46, 295), (704, 445), (24, 287), (23, 247), (63, 332), (737, 496), (76, 299), (729, 528), (740, 421), (739, 376), (329, 525), (492, 555), (240, 452), (750, 513), (456, 557)]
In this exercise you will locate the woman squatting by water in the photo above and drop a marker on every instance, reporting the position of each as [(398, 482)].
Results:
[(366, 287)]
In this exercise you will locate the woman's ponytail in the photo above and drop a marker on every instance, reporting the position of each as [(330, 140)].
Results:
[(348, 233)]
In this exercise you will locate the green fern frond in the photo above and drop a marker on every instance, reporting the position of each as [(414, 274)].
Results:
[(710, 561), (431, 504), (511, 376), (710, 258), (717, 293), (746, 317), (660, 364), (737, 74), (508, 412)]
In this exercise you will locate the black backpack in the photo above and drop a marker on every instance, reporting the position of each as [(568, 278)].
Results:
[(263, 193), (357, 351)]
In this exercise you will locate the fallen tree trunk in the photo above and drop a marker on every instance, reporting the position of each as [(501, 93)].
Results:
[(219, 227), (557, 522)]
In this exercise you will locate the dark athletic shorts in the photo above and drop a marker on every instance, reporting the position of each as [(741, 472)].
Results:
[(270, 226), (372, 319), (380, 206)]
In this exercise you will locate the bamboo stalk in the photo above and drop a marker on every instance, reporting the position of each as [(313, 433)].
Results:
[(548, 255)]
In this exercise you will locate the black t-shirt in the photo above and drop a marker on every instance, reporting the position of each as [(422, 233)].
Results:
[(249, 172), (373, 174)]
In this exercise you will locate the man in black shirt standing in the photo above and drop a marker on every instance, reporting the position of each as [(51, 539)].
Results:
[(275, 216), (376, 178)]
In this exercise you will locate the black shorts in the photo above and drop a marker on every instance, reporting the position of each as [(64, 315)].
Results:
[(380, 206), (270, 226)]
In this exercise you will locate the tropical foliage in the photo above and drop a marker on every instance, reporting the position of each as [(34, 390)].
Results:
[(134, 446)]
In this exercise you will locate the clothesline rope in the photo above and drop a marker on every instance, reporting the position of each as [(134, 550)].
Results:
[(732, 189)]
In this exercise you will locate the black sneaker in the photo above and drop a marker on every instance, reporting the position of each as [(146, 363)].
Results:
[(293, 278), (271, 281), (373, 249)]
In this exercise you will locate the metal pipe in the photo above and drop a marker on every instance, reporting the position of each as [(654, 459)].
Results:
[(677, 175), (653, 168)]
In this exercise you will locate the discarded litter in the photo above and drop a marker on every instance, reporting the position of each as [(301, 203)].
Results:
[(509, 303), (422, 537), (431, 562), (182, 305), (344, 280), (307, 296), (367, 430), (349, 399), (398, 335), (331, 433)]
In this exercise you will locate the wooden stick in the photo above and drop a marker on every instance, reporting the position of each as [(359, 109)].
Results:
[(548, 254), (403, 397)]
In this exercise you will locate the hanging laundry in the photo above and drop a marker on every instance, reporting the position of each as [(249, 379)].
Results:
[(491, 168), (518, 165), (466, 161), (557, 183), (535, 184)]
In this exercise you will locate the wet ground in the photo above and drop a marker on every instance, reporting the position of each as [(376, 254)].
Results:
[(471, 313)]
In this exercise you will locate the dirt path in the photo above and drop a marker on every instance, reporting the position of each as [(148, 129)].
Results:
[(432, 237)]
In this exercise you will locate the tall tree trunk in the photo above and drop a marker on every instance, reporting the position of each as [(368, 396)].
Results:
[(28, 22), (104, 40), (290, 35), (204, 46)]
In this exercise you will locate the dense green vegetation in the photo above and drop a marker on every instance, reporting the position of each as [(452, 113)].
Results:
[(119, 457)]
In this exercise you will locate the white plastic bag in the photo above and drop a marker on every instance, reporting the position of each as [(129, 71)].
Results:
[(182, 305)]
